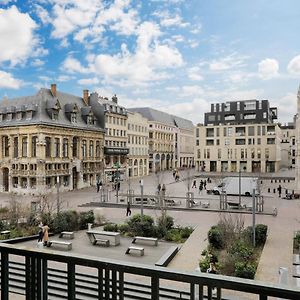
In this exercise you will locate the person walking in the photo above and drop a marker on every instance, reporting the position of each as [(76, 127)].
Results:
[(200, 188), (99, 185), (279, 189), (159, 188), (128, 210), (194, 184), (41, 234), (163, 189), (45, 234)]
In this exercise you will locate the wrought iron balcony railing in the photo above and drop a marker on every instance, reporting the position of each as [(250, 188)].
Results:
[(40, 274)]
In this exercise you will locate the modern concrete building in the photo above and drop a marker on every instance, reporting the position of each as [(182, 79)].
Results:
[(288, 145), (240, 112), (137, 132), (115, 149), (171, 140), (48, 138), (231, 148)]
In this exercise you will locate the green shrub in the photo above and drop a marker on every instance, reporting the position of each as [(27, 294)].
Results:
[(215, 237), (185, 232), (141, 226), (46, 218), (65, 221), (165, 221), (123, 228), (111, 227), (241, 250), (204, 263), (260, 234), (173, 235), (297, 241), (244, 270), (85, 218)]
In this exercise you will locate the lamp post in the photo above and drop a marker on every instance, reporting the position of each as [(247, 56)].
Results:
[(240, 187), (57, 195), (142, 196)]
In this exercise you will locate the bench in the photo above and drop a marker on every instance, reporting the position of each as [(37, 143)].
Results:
[(113, 237), (205, 204), (5, 233), (132, 248), (167, 257), (142, 238), (61, 243), (69, 234), (101, 242), (234, 205)]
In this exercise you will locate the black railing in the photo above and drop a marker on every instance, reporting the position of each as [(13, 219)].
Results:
[(41, 275)]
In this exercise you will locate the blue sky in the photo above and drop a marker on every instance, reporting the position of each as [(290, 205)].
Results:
[(174, 55)]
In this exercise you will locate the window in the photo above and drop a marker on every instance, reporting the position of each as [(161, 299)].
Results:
[(242, 153), (48, 146), (56, 147), (227, 106), (249, 105), (73, 117), (209, 142), (24, 146), (97, 148), (5, 146), (258, 130), (240, 142), (83, 148), (208, 154), (197, 132), (218, 142), (249, 141), (16, 147), (267, 154), (270, 141), (258, 153), (219, 153), (229, 131), (252, 153), (33, 146), (65, 148), (55, 115), (197, 142), (209, 132), (218, 131), (91, 154), (90, 120), (75, 146), (227, 142), (238, 107), (211, 118), (251, 130), (258, 141)]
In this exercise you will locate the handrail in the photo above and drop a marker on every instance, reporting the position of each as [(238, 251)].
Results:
[(37, 257)]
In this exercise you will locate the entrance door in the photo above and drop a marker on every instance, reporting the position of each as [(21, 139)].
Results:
[(5, 179), (75, 178)]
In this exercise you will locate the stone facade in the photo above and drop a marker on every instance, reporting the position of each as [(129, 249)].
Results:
[(48, 138)]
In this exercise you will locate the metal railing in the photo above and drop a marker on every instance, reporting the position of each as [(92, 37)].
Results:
[(41, 275)]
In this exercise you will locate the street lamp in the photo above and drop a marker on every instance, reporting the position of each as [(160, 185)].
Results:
[(57, 196), (142, 196)]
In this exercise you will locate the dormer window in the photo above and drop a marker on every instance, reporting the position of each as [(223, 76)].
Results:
[(73, 117), (54, 115), (90, 120), (19, 116), (29, 115), (9, 117), (1, 118)]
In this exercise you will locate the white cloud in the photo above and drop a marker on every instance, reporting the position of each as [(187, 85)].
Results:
[(43, 14), (88, 81), (72, 65), (5, 2), (64, 78), (294, 65), (191, 90), (268, 68), (8, 81), (149, 61), (37, 62), (17, 37), (228, 62), (194, 74), (287, 107)]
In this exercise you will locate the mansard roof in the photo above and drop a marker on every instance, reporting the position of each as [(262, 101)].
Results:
[(44, 103)]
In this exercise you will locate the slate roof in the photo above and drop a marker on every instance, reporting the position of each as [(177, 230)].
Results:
[(165, 118), (42, 105)]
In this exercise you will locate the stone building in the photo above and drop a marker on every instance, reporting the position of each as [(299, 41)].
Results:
[(48, 138), (171, 140), (138, 158), (288, 145), (115, 149)]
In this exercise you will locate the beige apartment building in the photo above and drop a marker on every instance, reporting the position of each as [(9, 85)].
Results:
[(240, 147), (138, 158), (115, 149), (288, 145), (171, 140), (49, 138)]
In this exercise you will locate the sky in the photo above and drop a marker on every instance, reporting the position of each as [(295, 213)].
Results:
[(178, 56)]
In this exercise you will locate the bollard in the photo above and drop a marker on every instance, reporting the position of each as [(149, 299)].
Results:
[(274, 191), (269, 190), (279, 180), (271, 181), (275, 181)]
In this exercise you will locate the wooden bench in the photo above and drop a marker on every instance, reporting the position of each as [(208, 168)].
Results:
[(101, 242), (132, 248), (167, 257), (142, 238), (61, 243), (69, 234)]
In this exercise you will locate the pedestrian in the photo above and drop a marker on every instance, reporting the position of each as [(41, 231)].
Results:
[(279, 190), (194, 184), (174, 173), (45, 234), (40, 238), (200, 188), (99, 185), (204, 184), (159, 187), (163, 189), (128, 210)]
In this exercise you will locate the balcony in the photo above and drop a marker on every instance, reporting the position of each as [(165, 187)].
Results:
[(40, 274)]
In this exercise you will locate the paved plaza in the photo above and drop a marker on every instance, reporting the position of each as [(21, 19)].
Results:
[(278, 251)]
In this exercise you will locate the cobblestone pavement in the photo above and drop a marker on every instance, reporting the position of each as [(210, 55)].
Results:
[(277, 251)]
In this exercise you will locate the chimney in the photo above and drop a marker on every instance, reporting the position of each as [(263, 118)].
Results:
[(53, 89), (115, 99), (86, 96)]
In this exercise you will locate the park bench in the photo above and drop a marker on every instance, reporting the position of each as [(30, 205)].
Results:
[(205, 204), (142, 238), (113, 237), (234, 205), (5, 233), (101, 242), (133, 248), (61, 243), (69, 234), (167, 257)]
